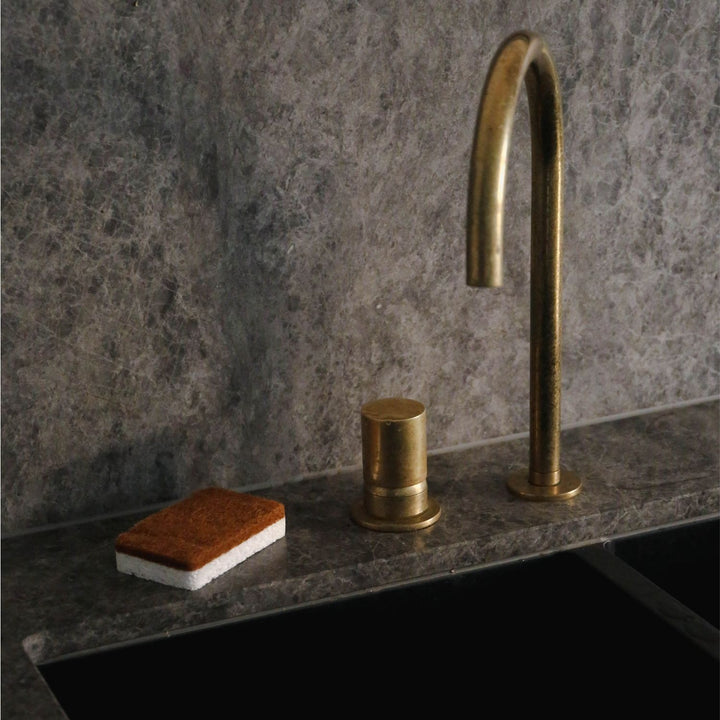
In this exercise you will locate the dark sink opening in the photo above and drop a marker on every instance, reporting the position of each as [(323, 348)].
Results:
[(550, 622), (683, 560)]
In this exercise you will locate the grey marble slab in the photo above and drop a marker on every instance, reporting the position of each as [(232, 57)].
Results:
[(227, 225), (61, 592)]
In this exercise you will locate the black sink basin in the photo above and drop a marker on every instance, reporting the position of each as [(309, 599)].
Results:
[(682, 560), (545, 633)]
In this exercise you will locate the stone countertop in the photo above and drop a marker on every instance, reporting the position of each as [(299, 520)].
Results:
[(61, 592)]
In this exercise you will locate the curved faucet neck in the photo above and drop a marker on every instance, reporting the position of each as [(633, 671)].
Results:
[(522, 57)]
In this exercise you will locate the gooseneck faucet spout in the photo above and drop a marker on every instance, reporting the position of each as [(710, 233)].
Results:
[(524, 56)]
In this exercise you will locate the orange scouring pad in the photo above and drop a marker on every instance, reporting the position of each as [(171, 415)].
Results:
[(196, 539)]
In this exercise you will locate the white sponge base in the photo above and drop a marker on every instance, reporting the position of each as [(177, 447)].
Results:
[(194, 579)]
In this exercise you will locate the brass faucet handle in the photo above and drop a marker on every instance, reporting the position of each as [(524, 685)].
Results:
[(394, 451)]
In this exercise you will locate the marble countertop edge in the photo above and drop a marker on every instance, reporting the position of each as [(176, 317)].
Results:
[(62, 594)]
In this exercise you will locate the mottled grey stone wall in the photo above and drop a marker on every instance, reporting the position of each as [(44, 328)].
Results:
[(226, 225)]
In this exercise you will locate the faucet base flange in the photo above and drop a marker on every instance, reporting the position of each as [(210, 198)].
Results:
[(397, 524), (569, 486)]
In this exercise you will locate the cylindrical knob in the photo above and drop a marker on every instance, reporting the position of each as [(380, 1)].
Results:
[(394, 452), (393, 441)]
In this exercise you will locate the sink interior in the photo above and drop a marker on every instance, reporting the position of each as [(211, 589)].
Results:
[(682, 560), (551, 621)]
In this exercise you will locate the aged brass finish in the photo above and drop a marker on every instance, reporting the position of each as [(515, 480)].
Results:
[(525, 56), (395, 495)]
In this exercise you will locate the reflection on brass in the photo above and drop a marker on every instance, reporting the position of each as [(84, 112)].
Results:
[(525, 56), (395, 495)]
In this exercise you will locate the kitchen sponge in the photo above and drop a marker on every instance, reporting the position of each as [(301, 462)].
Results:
[(196, 539)]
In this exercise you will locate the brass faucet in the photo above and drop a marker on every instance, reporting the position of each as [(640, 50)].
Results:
[(525, 56)]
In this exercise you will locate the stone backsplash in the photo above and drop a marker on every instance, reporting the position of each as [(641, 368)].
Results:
[(226, 225)]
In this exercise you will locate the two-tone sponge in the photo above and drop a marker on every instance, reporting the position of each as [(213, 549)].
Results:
[(190, 543)]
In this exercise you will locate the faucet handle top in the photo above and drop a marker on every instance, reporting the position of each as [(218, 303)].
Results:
[(392, 409)]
